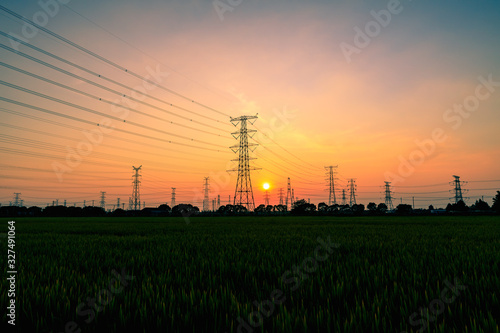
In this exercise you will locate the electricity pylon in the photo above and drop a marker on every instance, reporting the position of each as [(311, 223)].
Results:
[(388, 196), (16, 199), (206, 203), (136, 197), (243, 194), (289, 195), (103, 200), (344, 200), (331, 186), (458, 189), (281, 196), (172, 203), (352, 192)]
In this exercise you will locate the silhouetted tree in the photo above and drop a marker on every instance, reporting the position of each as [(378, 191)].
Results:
[(480, 205), (403, 209), (231, 209), (372, 207), (185, 210), (34, 211), (358, 208), (382, 207), (280, 208), (431, 207), (303, 207), (165, 208), (496, 202), (260, 209), (322, 207), (119, 213)]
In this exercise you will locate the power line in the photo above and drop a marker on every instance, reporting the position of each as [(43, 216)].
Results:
[(76, 106), (103, 59), (114, 104), (93, 123)]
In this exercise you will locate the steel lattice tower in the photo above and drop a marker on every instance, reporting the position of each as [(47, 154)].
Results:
[(243, 194), (136, 197), (16, 199), (281, 196), (206, 200), (331, 186), (266, 198), (289, 195), (352, 192), (458, 189), (173, 197), (388, 196), (103, 200), (344, 200)]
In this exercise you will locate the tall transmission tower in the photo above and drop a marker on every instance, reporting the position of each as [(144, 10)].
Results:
[(289, 195), (206, 203), (103, 200), (281, 196), (388, 196), (352, 192), (344, 200), (218, 201), (331, 186), (458, 189), (16, 199), (243, 194), (118, 203), (266, 198), (293, 197), (172, 203), (136, 196)]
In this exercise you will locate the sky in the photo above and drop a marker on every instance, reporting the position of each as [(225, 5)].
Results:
[(406, 92)]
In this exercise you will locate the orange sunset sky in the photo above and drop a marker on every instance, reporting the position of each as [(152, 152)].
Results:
[(282, 60)]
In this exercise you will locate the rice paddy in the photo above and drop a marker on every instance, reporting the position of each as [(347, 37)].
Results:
[(257, 274)]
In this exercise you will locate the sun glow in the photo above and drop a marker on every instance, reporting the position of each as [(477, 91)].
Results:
[(266, 186)]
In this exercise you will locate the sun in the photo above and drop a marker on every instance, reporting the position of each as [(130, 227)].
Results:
[(266, 186)]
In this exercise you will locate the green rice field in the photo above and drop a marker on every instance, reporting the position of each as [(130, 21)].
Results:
[(256, 274)]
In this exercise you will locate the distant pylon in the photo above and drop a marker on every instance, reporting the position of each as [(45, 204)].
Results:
[(281, 196), (243, 194), (172, 203), (388, 196), (136, 197), (103, 200), (331, 184), (206, 203), (458, 189), (289, 195), (117, 203), (352, 192), (16, 199), (293, 197), (218, 201), (344, 200), (266, 198)]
